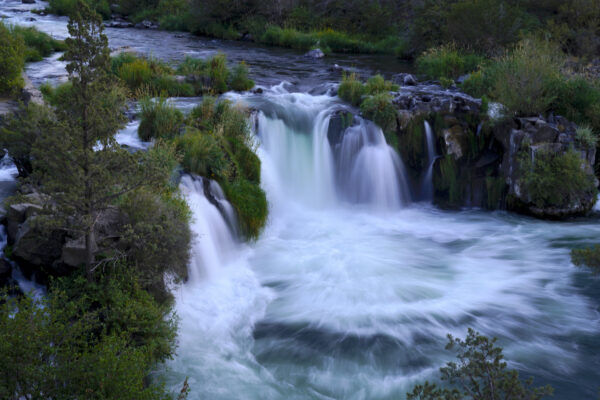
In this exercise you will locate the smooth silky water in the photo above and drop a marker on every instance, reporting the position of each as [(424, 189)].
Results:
[(350, 295), (353, 285)]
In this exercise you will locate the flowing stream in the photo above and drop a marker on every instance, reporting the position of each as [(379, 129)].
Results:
[(354, 284)]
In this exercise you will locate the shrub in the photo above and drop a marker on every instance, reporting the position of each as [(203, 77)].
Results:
[(164, 85), (589, 257), (38, 44), (135, 74), (379, 109), (578, 99), (204, 155), (239, 80), (476, 84), (585, 137), (159, 119), (67, 7), (555, 179), (12, 61), (480, 373), (377, 84), (250, 203), (351, 89), (447, 62), (526, 80)]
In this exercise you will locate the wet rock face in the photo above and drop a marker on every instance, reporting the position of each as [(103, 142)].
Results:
[(478, 164)]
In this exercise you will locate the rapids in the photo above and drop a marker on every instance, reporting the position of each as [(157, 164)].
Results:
[(354, 283)]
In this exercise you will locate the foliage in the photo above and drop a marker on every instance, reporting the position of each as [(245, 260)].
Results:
[(555, 179), (525, 80), (81, 179), (377, 84), (351, 89), (20, 132), (589, 257), (54, 95), (203, 155), (586, 138), (69, 7), (447, 61), (578, 99), (379, 109), (84, 340), (159, 119), (239, 80), (480, 373), (12, 61), (250, 203), (38, 44), (486, 26)]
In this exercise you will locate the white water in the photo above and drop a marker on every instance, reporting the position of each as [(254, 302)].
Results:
[(351, 297), (427, 186)]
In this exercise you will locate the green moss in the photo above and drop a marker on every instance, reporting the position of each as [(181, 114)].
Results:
[(412, 144), (250, 202), (448, 182), (589, 257)]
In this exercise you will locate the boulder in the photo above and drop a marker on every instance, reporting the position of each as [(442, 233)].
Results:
[(74, 253), (315, 53), (455, 141), (16, 216), (36, 252), (404, 79), (145, 24)]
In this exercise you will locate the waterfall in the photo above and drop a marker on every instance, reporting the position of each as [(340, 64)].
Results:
[(368, 170), (212, 219), (361, 168), (427, 185)]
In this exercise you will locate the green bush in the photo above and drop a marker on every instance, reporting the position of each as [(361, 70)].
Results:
[(377, 84), (239, 80), (578, 99), (476, 84), (586, 138), (38, 44), (250, 203), (84, 340), (379, 109), (447, 61), (555, 179), (159, 119), (67, 7), (526, 80), (219, 73), (351, 89), (12, 61), (203, 154), (135, 74)]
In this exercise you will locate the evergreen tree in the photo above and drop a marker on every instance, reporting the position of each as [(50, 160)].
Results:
[(80, 166)]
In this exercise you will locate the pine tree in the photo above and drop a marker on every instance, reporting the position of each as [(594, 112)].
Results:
[(79, 165)]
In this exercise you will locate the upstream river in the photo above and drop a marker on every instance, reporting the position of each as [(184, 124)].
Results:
[(354, 284)]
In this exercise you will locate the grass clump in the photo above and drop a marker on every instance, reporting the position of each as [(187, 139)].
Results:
[(239, 80), (447, 62), (379, 109), (589, 257), (67, 7), (555, 179), (159, 119), (377, 84), (351, 89), (585, 137), (38, 44)]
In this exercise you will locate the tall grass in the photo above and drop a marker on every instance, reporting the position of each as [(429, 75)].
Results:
[(351, 89), (159, 119), (447, 62), (38, 44)]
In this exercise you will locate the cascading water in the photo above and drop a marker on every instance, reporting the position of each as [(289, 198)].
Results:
[(361, 168), (337, 301), (427, 186)]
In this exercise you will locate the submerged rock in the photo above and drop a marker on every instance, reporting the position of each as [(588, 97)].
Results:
[(315, 53)]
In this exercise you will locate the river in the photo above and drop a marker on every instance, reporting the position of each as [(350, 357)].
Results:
[(351, 289)]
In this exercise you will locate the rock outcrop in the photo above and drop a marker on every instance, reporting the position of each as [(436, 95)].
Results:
[(479, 153)]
